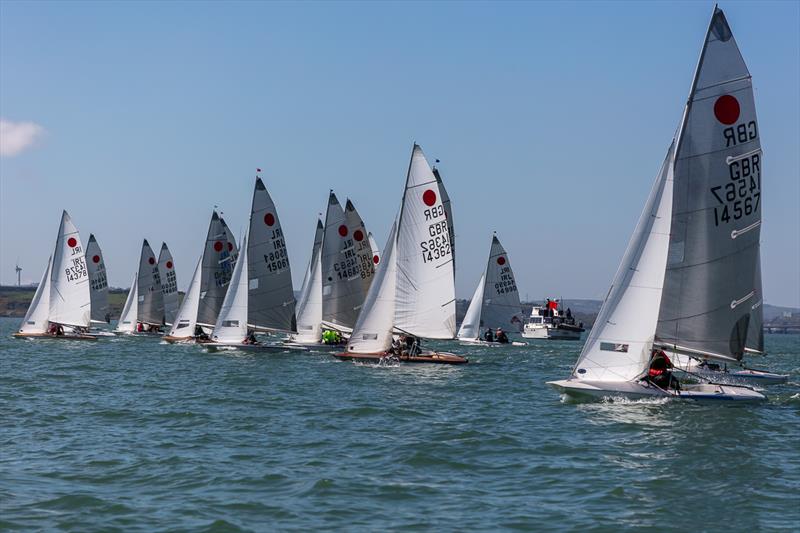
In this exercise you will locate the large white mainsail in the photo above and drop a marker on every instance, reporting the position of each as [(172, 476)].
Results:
[(151, 301), (98, 281), (130, 311), (425, 280), (231, 326), (70, 298), (618, 347), (471, 326), (709, 287), (35, 320), (272, 302), (309, 305), (372, 333), (186, 319), (215, 273), (169, 284)]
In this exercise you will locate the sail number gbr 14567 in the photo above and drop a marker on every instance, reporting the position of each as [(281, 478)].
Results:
[(741, 195)]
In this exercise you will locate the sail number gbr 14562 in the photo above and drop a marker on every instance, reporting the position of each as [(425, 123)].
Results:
[(438, 246), (741, 195)]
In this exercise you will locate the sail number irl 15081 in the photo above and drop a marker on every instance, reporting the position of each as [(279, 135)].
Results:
[(741, 195)]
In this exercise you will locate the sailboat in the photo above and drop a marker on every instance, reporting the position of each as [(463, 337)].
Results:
[(98, 282), (143, 312), (61, 306), (200, 307), (169, 284), (260, 295), (128, 319), (495, 303), (309, 305), (413, 292), (686, 282)]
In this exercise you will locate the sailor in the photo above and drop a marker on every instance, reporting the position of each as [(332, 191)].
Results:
[(660, 372), (569, 313), (251, 338), (501, 336), (488, 336), (412, 345), (199, 333)]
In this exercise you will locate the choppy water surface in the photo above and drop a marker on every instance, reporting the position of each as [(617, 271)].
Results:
[(131, 434)]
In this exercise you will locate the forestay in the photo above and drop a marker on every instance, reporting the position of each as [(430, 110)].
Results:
[(309, 306), (618, 347), (215, 273), (709, 288), (186, 319), (231, 326), (169, 284), (151, 301), (272, 303), (373, 330), (36, 318), (425, 279), (70, 299), (98, 282)]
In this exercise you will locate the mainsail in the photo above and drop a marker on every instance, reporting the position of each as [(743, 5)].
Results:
[(272, 302), (425, 279), (186, 319), (130, 311), (151, 301), (97, 281), (309, 306), (231, 325), (215, 273), (169, 284), (70, 298), (376, 252), (35, 320), (709, 287)]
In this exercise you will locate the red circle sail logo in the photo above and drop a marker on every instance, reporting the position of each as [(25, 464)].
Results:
[(358, 235), (429, 197), (96, 259), (376, 259), (169, 264), (343, 230), (72, 242), (269, 219), (501, 260), (218, 246), (152, 260), (726, 109)]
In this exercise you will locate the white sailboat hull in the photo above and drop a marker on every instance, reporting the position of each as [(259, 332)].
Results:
[(479, 342), (637, 390)]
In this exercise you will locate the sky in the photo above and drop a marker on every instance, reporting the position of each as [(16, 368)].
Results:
[(550, 121)]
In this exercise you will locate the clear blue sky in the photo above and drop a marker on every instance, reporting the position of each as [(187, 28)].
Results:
[(551, 120)]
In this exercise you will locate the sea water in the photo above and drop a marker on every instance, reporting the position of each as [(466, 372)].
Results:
[(132, 434)]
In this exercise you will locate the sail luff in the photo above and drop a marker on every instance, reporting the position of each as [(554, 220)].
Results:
[(98, 281), (309, 306)]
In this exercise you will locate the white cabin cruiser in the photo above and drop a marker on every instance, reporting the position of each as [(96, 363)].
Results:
[(550, 322)]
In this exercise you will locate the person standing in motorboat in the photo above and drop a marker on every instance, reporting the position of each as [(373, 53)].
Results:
[(489, 335)]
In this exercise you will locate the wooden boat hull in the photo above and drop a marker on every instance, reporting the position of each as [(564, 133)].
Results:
[(637, 390), (439, 358), (69, 337)]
